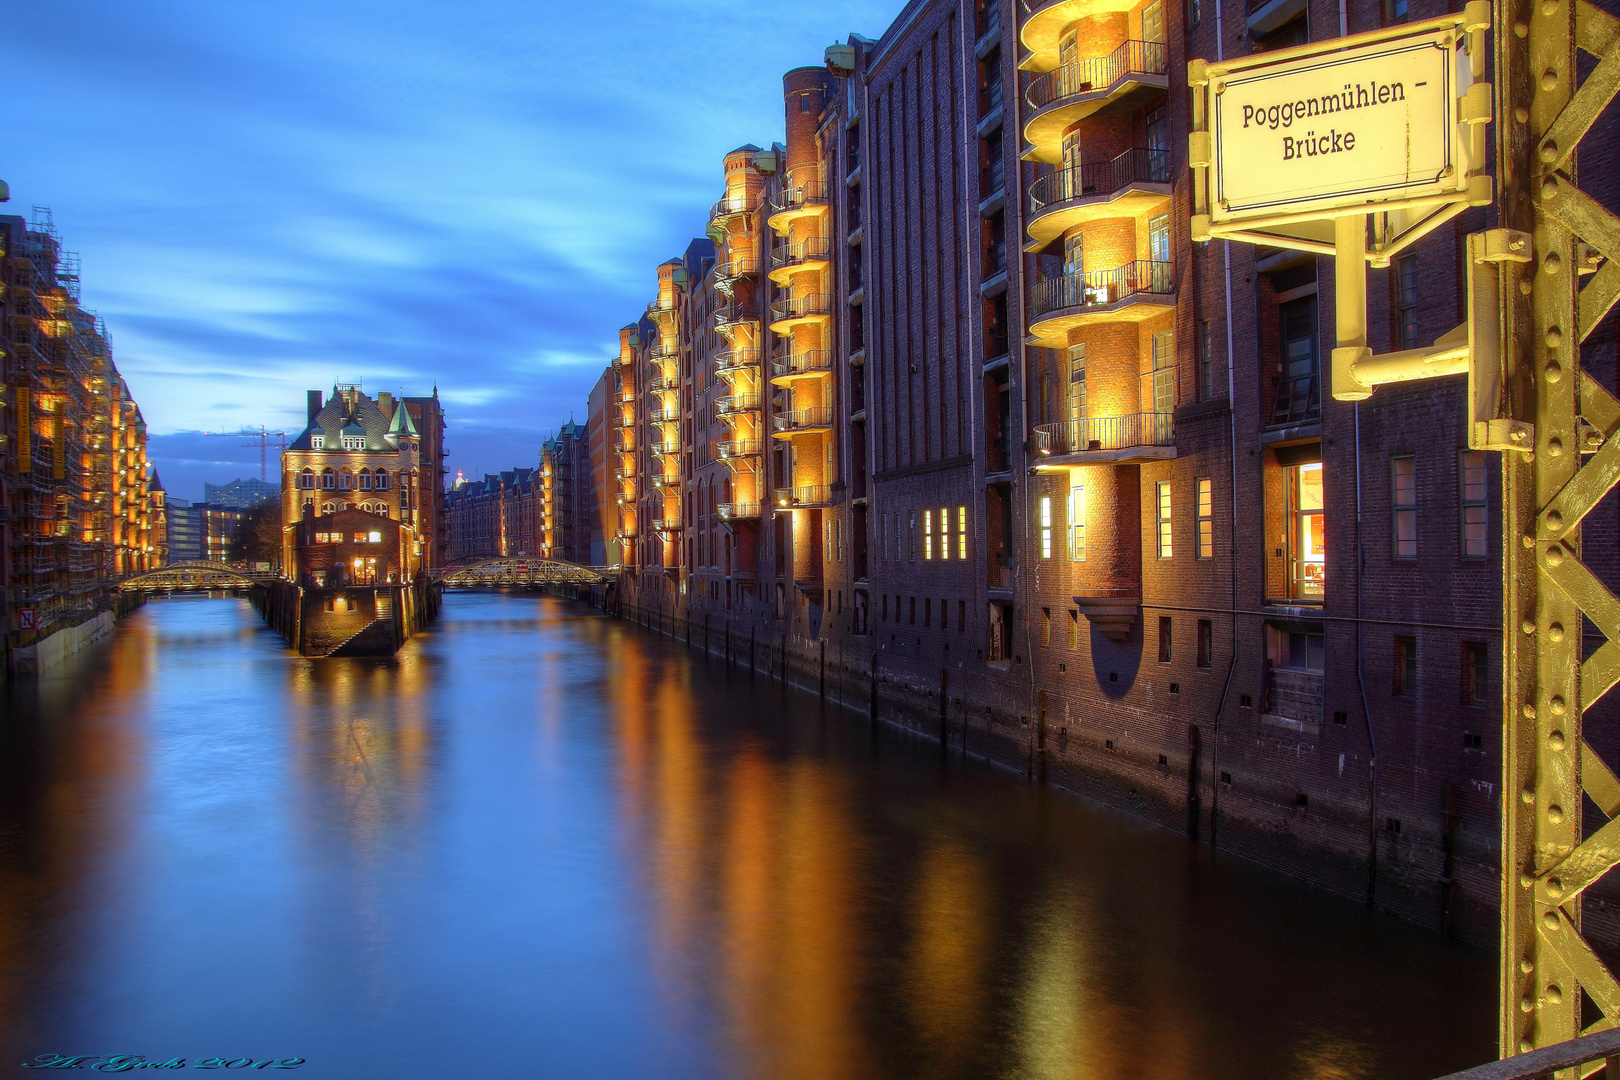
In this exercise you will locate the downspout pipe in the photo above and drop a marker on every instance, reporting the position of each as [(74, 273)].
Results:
[(1361, 683)]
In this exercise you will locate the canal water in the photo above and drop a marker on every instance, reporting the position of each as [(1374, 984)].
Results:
[(544, 843)]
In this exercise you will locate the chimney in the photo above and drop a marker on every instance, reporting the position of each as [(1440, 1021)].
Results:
[(385, 403), (314, 404)]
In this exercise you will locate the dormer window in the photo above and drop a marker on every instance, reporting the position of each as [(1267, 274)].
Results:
[(317, 442), (354, 442)]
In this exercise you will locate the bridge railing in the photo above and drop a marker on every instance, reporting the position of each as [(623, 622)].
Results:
[(1600, 1049)]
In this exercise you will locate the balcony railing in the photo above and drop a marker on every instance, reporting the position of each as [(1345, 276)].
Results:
[(736, 403), (620, 420), (797, 419), (625, 474), (1102, 287), (1106, 433), (804, 363), (798, 307), (738, 448), (734, 511), (1090, 76), (739, 265), (664, 481), (729, 205), (665, 524), (795, 195), (664, 416), (812, 495), (661, 383), (1135, 166), (736, 360), (815, 248), (659, 449), (1298, 400), (732, 313), (658, 351)]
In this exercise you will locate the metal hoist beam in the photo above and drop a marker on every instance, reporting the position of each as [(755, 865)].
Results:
[(1568, 423)]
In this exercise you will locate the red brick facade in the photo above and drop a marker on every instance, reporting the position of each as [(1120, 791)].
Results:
[(1083, 504)]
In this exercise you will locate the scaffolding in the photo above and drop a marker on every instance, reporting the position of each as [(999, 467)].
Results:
[(77, 473)]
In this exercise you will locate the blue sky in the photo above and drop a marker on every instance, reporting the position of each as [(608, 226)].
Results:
[(274, 197)]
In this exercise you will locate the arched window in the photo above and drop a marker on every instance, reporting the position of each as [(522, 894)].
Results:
[(345, 481), (365, 480), (329, 508), (381, 480), (328, 479)]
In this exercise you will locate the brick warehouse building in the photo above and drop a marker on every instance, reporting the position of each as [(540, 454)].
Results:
[(949, 415)]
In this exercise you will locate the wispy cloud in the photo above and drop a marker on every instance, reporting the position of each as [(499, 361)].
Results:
[(273, 198)]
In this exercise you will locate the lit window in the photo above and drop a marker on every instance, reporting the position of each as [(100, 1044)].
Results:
[(1474, 509), (1164, 372), (944, 532), (1403, 477), (1163, 503), (1159, 238), (1046, 527), (1077, 524), (375, 536), (961, 532), (317, 442), (1307, 540), (928, 534), (1206, 518)]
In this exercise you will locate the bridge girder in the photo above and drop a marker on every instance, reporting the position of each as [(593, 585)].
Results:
[(192, 574)]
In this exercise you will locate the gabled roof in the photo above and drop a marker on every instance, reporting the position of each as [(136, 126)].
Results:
[(336, 419)]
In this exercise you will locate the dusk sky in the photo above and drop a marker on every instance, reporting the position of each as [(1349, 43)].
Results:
[(271, 198)]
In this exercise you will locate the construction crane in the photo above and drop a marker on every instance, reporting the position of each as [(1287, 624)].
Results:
[(260, 437)]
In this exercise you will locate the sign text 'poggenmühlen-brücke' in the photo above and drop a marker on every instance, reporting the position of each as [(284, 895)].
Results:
[(1364, 125)]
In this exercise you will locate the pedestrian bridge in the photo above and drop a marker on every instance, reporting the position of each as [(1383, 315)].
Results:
[(493, 573), (193, 574)]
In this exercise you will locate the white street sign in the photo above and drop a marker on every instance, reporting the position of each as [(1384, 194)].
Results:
[(1355, 127)]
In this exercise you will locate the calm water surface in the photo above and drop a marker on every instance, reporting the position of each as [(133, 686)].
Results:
[(542, 843)]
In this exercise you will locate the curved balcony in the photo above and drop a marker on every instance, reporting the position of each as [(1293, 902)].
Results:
[(809, 496), (666, 525), (805, 365), (667, 448), (730, 206), (627, 472), (664, 416), (732, 361), (798, 310), (620, 420), (797, 200), (742, 511), (789, 259), (1045, 21), (736, 449), (730, 315), (662, 384), (803, 421), (732, 404), (627, 443), (664, 481), (1106, 440), (1129, 293), (740, 265), (1131, 184), (1062, 98)]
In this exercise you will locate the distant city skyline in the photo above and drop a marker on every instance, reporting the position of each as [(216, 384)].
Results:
[(262, 207)]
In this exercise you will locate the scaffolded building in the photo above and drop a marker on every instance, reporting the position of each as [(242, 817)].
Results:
[(74, 476)]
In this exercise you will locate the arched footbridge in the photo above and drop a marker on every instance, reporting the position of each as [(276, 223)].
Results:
[(193, 574), (493, 573)]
